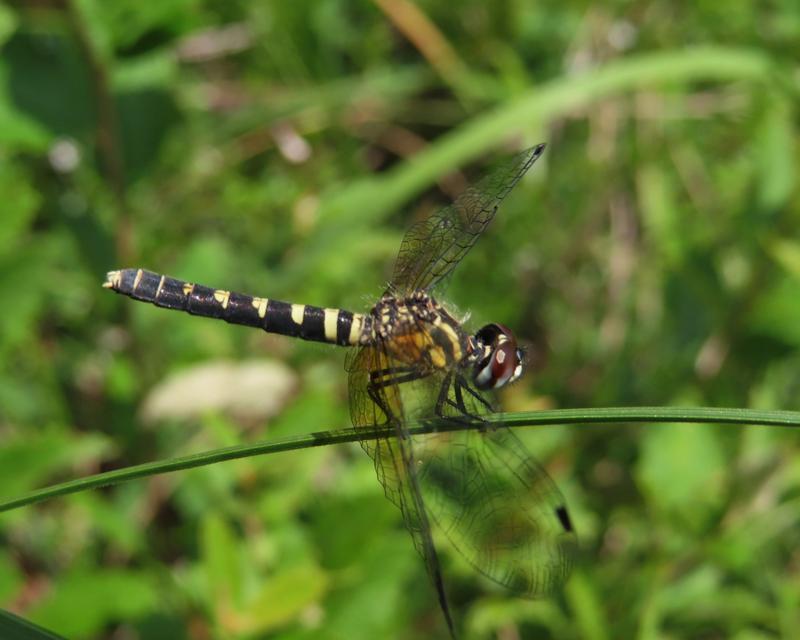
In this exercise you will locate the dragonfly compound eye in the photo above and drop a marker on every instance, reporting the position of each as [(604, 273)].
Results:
[(502, 360)]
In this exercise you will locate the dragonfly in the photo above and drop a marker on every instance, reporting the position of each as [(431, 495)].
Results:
[(475, 488)]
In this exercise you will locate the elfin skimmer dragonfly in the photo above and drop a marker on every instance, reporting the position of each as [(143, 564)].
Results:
[(411, 360)]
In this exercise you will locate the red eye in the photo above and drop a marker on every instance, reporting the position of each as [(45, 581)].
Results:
[(502, 363)]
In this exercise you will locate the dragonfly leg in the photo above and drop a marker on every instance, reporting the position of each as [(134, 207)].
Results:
[(376, 397), (392, 374), (462, 384), (444, 400), (381, 378)]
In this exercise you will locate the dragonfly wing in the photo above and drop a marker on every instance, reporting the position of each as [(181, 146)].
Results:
[(496, 505), (432, 248), (395, 463)]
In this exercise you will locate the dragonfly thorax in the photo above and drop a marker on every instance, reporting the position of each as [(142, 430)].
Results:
[(417, 329)]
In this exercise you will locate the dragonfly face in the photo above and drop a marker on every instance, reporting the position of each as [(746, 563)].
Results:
[(499, 360)]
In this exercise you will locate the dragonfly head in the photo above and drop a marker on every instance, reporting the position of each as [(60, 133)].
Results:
[(499, 360)]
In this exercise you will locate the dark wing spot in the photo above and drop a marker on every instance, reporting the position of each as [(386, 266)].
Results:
[(563, 517)]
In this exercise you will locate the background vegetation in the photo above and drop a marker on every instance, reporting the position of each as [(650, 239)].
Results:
[(651, 257)]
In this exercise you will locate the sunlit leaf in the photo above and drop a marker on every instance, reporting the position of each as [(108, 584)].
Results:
[(682, 469), (79, 604)]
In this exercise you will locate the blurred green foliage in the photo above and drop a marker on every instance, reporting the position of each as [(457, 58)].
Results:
[(652, 257)]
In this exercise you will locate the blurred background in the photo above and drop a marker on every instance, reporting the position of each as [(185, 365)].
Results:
[(651, 257)]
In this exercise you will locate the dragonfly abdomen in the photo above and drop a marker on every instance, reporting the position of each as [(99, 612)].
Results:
[(334, 326)]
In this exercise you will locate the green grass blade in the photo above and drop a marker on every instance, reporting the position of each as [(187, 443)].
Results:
[(15, 628), (708, 415), (379, 196)]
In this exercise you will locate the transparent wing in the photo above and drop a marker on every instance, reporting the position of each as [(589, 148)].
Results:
[(496, 504), (433, 247), (387, 455), (394, 459)]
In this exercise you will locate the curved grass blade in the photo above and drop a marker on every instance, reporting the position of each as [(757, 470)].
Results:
[(15, 628), (700, 415)]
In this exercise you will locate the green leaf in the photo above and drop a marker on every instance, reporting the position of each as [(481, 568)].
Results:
[(586, 603), (696, 586), (23, 287), (775, 154), (41, 66), (26, 462), (18, 130), (11, 578), (222, 562), (777, 313), (660, 214), (284, 596), (83, 602), (15, 628), (127, 21), (786, 252), (682, 469), (87, 14), (358, 521), (378, 605), (156, 70), (145, 117), (8, 23), (20, 203)]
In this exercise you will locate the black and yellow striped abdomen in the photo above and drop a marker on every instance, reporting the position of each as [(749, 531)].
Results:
[(335, 326)]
